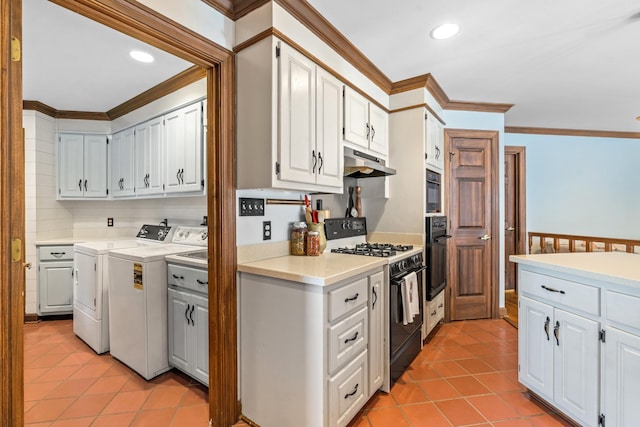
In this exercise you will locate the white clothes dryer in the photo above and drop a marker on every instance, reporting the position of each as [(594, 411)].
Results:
[(138, 301)]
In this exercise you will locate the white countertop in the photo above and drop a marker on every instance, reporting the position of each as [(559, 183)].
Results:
[(74, 240), (182, 260), (614, 267), (323, 270)]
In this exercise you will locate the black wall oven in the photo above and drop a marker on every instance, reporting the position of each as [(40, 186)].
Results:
[(436, 255), (434, 194)]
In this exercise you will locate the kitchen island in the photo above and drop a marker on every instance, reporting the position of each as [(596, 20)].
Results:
[(579, 334)]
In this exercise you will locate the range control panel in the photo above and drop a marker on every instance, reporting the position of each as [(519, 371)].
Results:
[(194, 236), (340, 228), (158, 233)]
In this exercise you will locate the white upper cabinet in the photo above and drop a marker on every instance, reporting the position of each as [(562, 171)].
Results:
[(122, 159), (183, 142), (149, 143), (289, 121), (366, 126), (434, 157), (82, 166)]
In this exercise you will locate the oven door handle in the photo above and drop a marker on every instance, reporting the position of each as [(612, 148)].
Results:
[(445, 237), (398, 280)]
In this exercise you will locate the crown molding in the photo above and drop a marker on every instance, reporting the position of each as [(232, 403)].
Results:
[(572, 132), (188, 76), (180, 80), (423, 105), (226, 7), (235, 9)]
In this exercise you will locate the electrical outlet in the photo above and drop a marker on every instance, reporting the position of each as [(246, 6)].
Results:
[(109, 222), (266, 230), (251, 207)]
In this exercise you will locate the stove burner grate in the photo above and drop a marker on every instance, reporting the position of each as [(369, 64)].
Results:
[(374, 249)]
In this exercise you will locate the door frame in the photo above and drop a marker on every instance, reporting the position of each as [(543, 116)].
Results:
[(520, 153), (494, 136), (145, 24)]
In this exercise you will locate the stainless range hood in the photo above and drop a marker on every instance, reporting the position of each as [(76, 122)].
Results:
[(362, 165)]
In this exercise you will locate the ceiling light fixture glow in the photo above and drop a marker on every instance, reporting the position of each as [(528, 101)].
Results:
[(141, 56), (445, 31)]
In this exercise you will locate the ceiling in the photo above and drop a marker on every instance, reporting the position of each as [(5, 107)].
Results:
[(572, 64), (73, 63)]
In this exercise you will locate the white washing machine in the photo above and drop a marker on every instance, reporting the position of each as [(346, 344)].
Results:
[(138, 301), (91, 283)]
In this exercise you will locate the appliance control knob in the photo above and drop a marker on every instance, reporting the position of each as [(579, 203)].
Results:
[(404, 264)]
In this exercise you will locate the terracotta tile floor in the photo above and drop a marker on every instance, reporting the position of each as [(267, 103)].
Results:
[(466, 375)]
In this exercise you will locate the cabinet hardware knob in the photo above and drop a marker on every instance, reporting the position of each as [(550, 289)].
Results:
[(367, 130), (186, 314), (200, 282), (315, 161), (485, 237), (355, 390), (433, 313), (85, 185), (27, 265), (373, 132), (321, 162), (353, 338), (175, 276), (353, 298), (440, 305), (191, 315), (375, 298), (80, 185), (556, 332), (511, 229)]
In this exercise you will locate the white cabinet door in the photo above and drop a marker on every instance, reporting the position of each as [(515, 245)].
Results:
[(356, 118), (379, 130), (183, 142), (70, 165), (376, 332), (122, 163), (577, 363), (434, 143), (56, 287), (621, 384), (148, 157), (297, 120), (95, 166), (179, 325), (330, 167), (199, 362), (535, 351)]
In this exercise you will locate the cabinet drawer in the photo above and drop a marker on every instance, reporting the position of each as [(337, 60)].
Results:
[(55, 253), (346, 298), (571, 294), (434, 311), (347, 338), (623, 309), (195, 279), (348, 391)]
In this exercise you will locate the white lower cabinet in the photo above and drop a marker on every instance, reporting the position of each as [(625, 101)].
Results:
[(579, 346), (188, 320), (55, 280), (310, 355), (433, 313)]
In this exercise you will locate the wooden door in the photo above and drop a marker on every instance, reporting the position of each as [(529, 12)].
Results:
[(514, 211), (473, 213)]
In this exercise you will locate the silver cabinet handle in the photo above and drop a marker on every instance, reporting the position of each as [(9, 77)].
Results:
[(511, 229), (485, 237)]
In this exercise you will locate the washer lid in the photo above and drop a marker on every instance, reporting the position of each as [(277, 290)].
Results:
[(152, 252), (103, 247)]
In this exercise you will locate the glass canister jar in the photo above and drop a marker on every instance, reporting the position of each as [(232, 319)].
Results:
[(313, 243), (298, 237)]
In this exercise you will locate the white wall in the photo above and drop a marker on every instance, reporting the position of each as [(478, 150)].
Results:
[(582, 185)]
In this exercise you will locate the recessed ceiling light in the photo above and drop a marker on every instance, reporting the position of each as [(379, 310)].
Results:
[(141, 56), (444, 31)]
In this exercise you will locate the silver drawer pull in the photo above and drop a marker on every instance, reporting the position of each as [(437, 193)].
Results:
[(200, 282), (353, 298), (355, 390), (353, 338), (546, 288)]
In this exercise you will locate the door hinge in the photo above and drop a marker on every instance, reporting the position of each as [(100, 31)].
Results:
[(425, 116), (343, 93), (601, 420), (16, 49), (16, 250), (277, 168), (603, 335), (277, 51)]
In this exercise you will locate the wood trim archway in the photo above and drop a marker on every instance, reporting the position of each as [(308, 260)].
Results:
[(143, 23)]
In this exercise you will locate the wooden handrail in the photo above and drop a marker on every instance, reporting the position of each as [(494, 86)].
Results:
[(590, 242)]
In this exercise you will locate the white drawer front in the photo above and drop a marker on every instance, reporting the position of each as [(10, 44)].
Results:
[(623, 309), (571, 294), (55, 253), (191, 278), (434, 311), (347, 338), (346, 298), (348, 391)]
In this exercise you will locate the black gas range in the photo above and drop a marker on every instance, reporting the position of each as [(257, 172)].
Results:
[(348, 236)]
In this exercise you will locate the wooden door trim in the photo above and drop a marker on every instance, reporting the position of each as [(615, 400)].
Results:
[(493, 135), (140, 22), (520, 153), (12, 276)]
